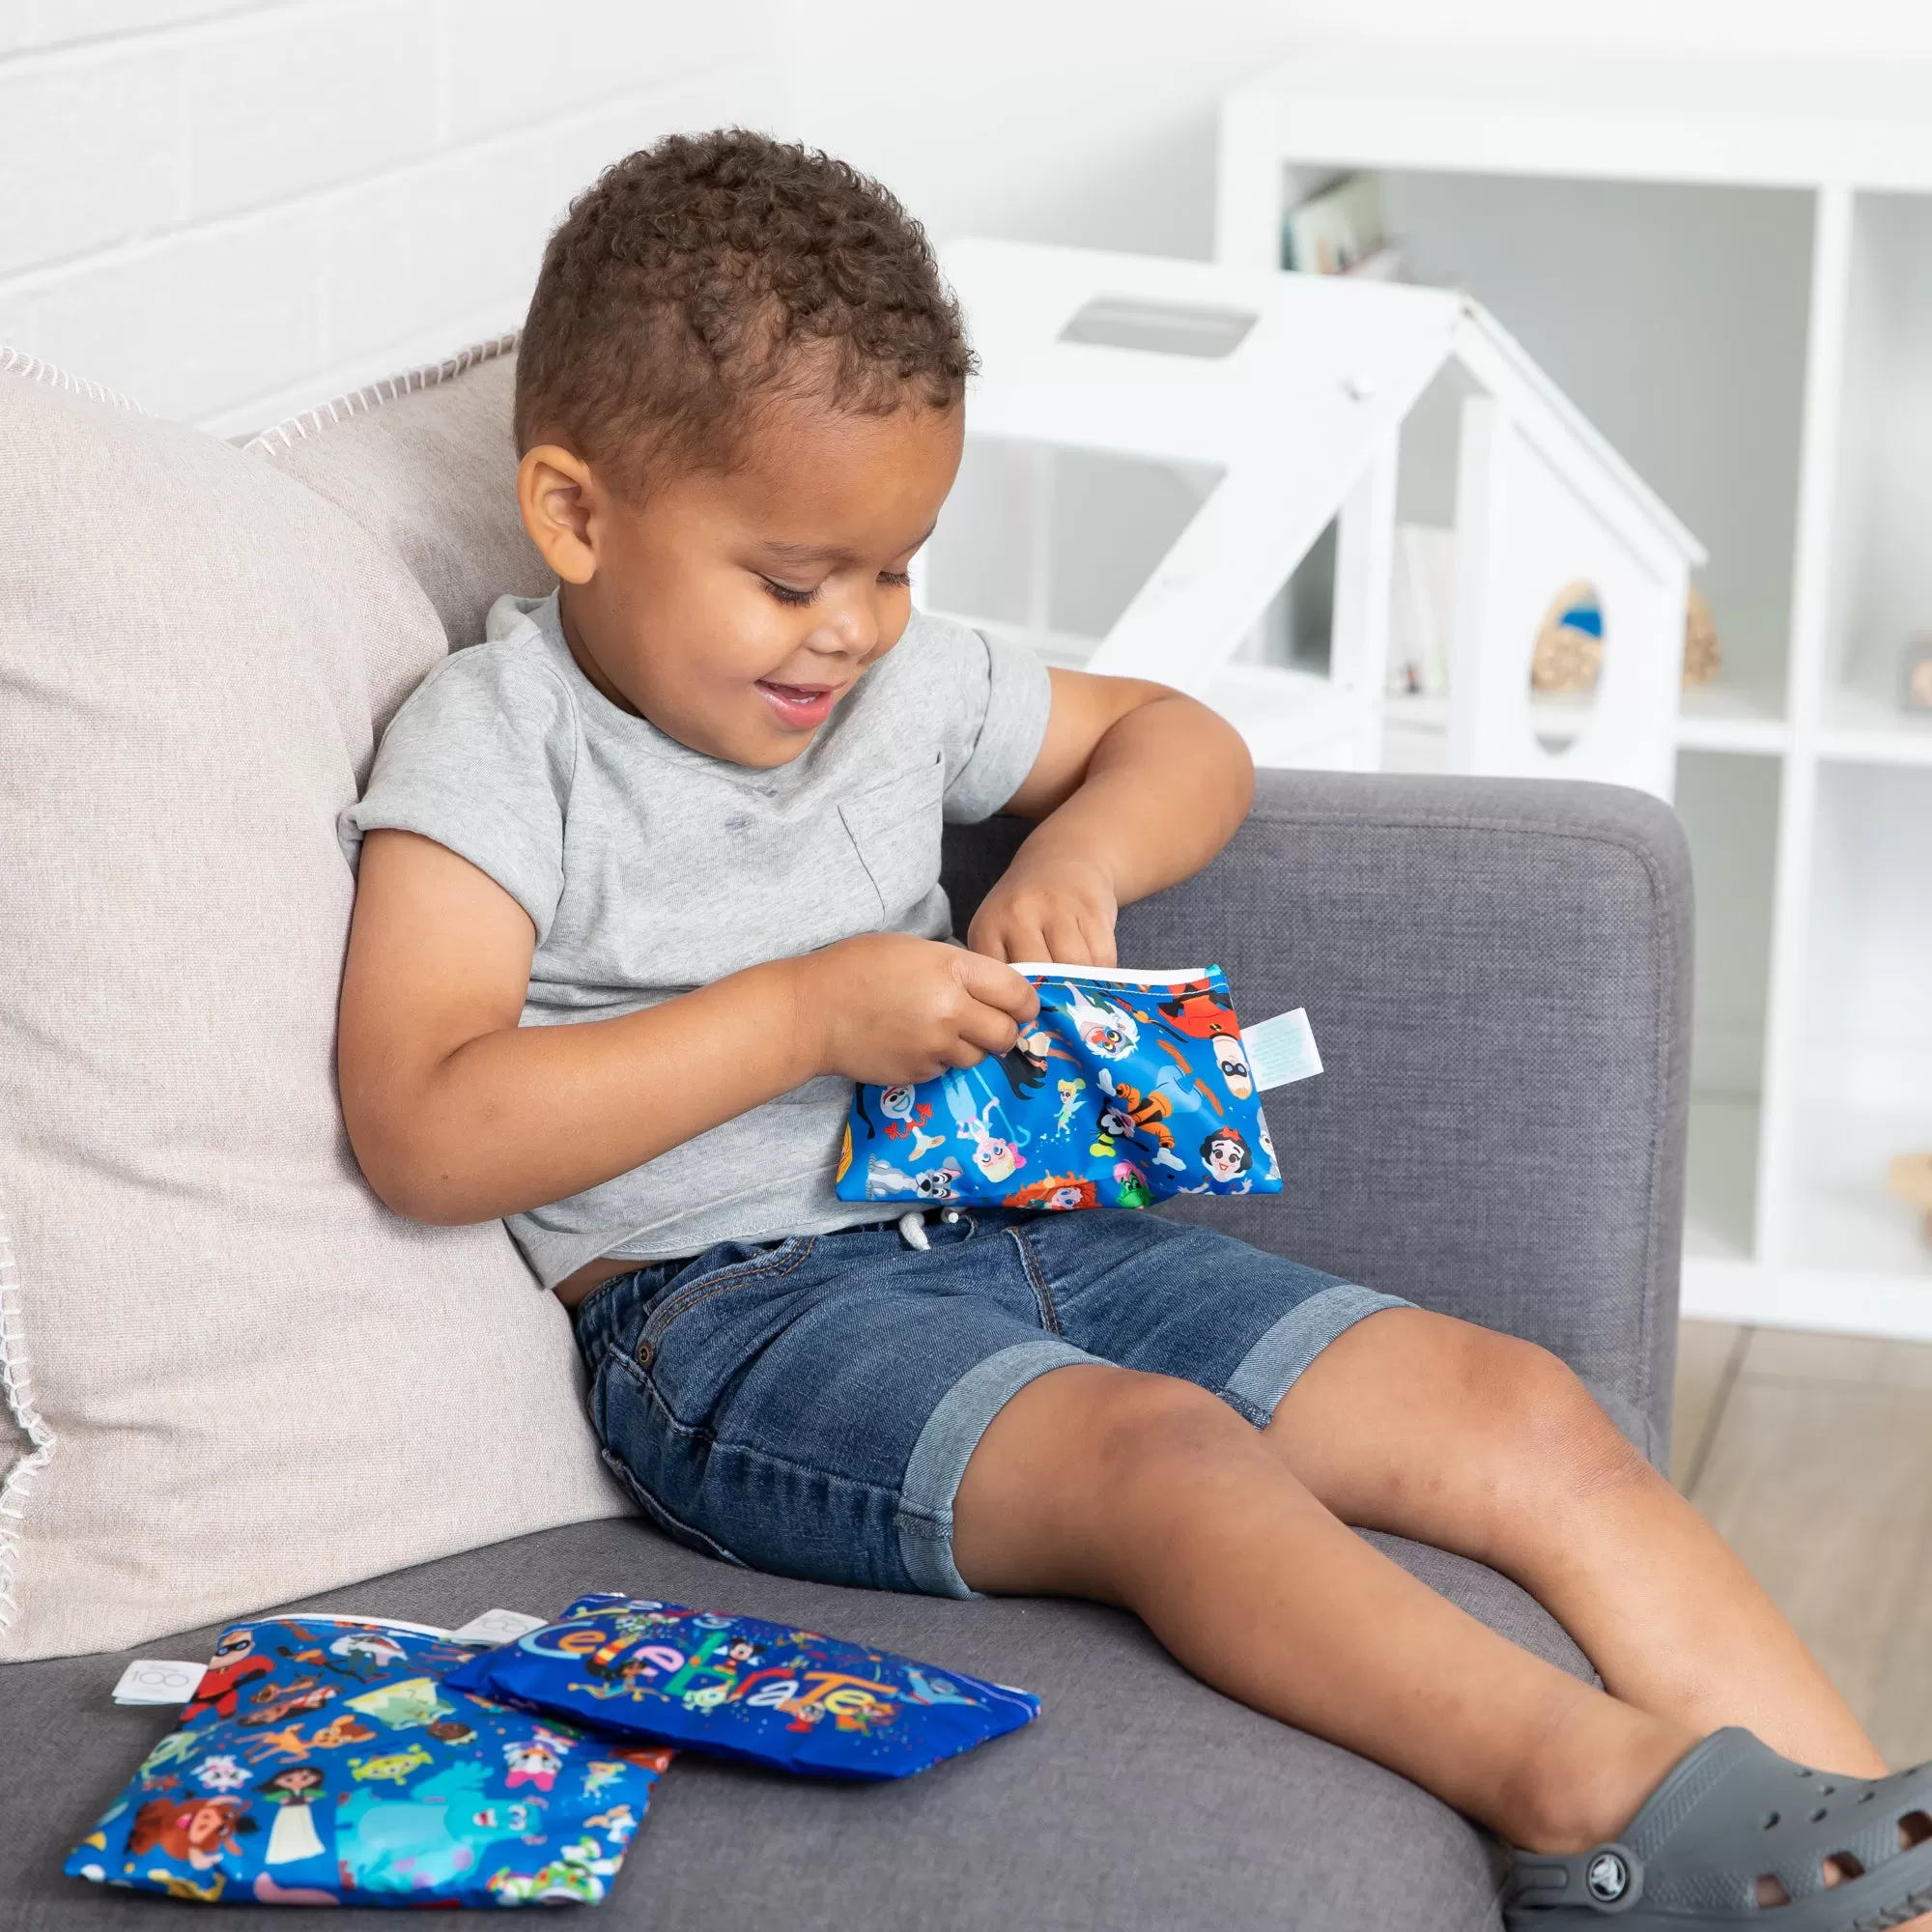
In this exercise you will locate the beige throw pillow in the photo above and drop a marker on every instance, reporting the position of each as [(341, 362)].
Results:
[(426, 462), (232, 1376)]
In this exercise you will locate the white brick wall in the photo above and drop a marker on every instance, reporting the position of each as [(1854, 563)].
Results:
[(232, 209)]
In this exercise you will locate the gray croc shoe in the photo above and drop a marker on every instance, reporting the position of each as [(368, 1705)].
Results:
[(1730, 1814)]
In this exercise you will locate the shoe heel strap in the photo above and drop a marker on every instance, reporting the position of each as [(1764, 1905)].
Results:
[(1607, 1879)]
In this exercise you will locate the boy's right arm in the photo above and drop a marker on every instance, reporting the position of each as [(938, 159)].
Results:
[(456, 1112)]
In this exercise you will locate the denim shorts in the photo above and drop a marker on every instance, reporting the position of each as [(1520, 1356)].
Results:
[(809, 1405)]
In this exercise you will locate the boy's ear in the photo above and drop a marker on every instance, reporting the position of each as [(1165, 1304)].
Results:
[(556, 494)]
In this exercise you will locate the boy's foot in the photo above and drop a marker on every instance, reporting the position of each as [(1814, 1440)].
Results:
[(1737, 1835)]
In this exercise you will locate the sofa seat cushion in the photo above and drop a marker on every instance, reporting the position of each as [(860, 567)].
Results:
[(1141, 1800)]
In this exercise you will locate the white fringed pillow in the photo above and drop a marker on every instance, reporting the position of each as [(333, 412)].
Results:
[(231, 1375)]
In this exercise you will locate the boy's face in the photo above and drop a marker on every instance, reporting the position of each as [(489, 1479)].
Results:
[(734, 611)]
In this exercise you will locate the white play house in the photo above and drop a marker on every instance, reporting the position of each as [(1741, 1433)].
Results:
[(1170, 465)]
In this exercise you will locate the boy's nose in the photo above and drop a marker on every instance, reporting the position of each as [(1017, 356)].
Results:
[(852, 631)]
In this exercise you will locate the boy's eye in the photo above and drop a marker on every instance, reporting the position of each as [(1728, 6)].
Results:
[(790, 594)]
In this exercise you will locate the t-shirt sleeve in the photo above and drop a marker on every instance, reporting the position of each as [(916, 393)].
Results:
[(997, 698), (480, 759)]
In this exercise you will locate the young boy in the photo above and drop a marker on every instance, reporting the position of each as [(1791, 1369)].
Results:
[(649, 878)]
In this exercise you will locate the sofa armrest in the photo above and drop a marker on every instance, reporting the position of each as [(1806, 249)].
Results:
[(1498, 975)]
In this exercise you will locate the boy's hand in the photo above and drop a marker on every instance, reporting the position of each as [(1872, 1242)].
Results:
[(888, 1007), (1061, 909)]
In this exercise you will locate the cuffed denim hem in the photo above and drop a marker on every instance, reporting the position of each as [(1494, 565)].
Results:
[(945, 1446), (1271, 1368)]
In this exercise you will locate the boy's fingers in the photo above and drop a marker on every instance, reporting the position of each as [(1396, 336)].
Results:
[(994, 984), (1008, 940), (991, 1032), (1068, 943), (983, 938)]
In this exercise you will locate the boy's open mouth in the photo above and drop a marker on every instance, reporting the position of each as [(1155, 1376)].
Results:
[(801, 706)]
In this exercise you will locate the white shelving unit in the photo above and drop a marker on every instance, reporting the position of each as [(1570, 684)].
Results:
[(1727, 264)]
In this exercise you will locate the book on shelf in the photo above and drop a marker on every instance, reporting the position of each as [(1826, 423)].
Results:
[(1342, 230)]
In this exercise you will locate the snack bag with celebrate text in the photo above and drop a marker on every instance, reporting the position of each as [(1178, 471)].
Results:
[(738, 1687), (329, 1761), (1129, 1087)]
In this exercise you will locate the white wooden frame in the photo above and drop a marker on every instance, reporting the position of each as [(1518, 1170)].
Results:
[(1304, 421)]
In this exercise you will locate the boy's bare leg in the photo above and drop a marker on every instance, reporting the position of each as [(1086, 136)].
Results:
[(1483, 1444), (1146, 1491)]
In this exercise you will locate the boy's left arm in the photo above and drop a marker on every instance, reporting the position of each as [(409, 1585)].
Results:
[(1135, 786)]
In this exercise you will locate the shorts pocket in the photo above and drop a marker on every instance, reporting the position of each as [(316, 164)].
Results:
[(897, 827), (779, 1258)]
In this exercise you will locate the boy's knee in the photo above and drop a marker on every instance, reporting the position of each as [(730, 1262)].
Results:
[(1161, 1428), (1548, 1428), (1087, 1471)]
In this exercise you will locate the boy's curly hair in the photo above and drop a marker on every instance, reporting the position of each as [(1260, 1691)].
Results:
[(710, 273)]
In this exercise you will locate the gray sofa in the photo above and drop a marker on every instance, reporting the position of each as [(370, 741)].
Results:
[(1498, 975)]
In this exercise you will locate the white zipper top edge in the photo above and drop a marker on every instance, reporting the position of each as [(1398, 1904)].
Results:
[(338, 1617), (1144, 975)]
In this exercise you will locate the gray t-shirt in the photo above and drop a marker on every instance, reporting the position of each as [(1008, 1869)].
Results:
[(649, 869)]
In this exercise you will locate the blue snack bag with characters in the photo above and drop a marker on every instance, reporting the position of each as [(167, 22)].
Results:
[(328, 1761), (1128, 1086), (740, 1687)]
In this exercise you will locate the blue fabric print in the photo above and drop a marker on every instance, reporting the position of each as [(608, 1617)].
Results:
[(740, 1687), (325, 1761), (1128, 1088)]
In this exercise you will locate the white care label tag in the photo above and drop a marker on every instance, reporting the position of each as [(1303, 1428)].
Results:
[(154, 1680), (1281, 1050), (496, 1627)]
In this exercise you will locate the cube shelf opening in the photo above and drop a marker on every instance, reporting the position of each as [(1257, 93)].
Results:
[(1729, 806)]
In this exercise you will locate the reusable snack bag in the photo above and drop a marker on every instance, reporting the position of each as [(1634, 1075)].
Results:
[(740, 1687), (326, 1761), (1129, 1087)]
